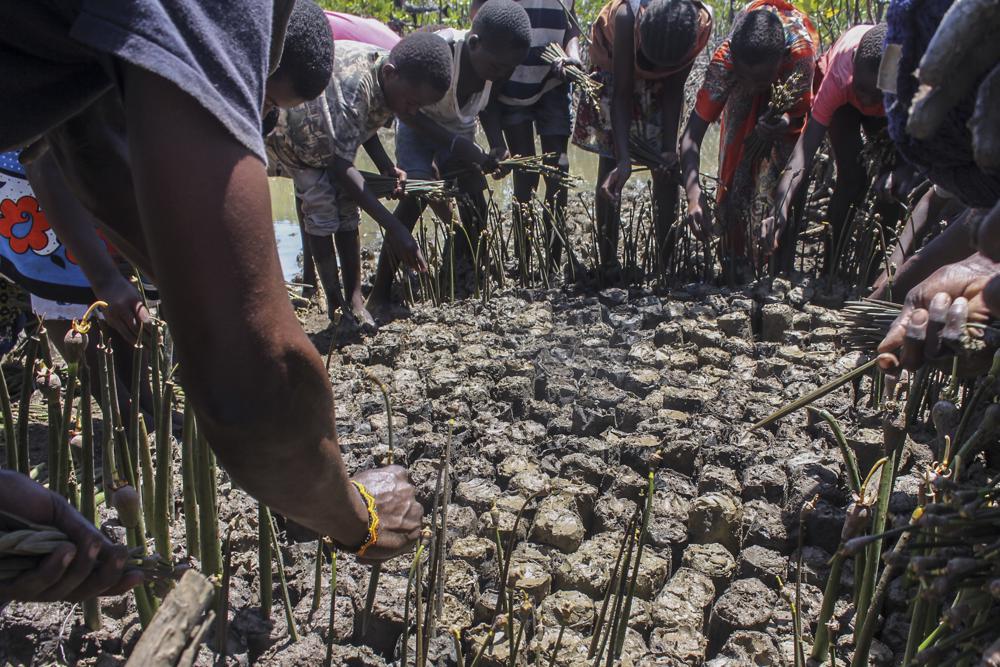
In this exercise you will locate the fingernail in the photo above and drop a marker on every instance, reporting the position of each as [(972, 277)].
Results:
[(93, 550), (68, 558)]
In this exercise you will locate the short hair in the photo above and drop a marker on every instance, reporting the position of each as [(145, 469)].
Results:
[(424, 58), (870, 48), (307, 57), (757, 37), (668, 30), (503, 23)]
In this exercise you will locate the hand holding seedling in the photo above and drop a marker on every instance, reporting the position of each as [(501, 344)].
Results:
[(86, 566), (405, 248), (125, 311), (399, 513), (771, 129), (616, 180), (937, 311), (767, 239)]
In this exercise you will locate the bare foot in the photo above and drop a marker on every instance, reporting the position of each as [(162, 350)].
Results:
[(364, 319), (386, 311)]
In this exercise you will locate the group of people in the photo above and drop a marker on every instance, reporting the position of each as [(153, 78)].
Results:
[(146, 132)]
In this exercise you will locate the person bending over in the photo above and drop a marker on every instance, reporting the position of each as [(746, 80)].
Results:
[(168, 155), (771, 42)]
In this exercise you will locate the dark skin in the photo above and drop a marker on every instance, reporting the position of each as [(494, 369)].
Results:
[(930, 210), (255, 380), (756, 78), (613, 174), (950, 246), (87, 566), (937, 311), (481, 62), (125, 311), (845, 137)]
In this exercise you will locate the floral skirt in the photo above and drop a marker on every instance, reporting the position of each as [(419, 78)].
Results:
[(593, 132)]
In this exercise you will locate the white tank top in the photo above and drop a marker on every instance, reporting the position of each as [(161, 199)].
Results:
[(446, 112)]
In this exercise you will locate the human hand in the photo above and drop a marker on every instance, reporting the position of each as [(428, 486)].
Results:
[(399, 512), (772, 130), (125, 311), (768, 236), (395, 172), (559, 66), (986, 234), (936, 312), (87, 566), (699, 222), (492, 160), (616, 180), (405, 248), (669, 166)]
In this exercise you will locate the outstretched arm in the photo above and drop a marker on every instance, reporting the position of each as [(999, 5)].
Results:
[(75, 227), (257, 383), (694, 134), (401, 242)]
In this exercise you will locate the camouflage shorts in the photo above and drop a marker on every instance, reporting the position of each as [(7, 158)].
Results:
[(326, 209)]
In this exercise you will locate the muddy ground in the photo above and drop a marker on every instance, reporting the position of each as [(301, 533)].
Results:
[(574, 390)]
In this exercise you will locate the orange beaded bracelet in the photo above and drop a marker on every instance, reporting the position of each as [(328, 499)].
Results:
[(373, 519)]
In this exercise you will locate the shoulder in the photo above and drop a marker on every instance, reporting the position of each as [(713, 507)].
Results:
[(350, 54)]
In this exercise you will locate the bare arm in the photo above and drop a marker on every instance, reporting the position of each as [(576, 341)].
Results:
[(623, 71), (694, 134), (257, 383), (461, 149), (75, 227), (376, 151), (798, 166), (671, 101)]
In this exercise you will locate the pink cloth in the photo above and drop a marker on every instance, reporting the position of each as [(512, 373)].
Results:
[(836, 89), (358, 29)]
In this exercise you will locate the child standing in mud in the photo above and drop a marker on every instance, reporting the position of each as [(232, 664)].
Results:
[(537, 98), (771, 42), (642, 52), (847, 100), (439, 141), (318, 141)]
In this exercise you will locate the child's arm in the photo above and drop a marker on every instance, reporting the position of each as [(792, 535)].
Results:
[(74, 225), (791, 179), (694, 134), (492, 126), (400, 240), (257, 383), (671, 102), (623, 70), (385, 166)]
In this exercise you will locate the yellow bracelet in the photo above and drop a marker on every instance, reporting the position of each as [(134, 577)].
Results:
[(373, 520)]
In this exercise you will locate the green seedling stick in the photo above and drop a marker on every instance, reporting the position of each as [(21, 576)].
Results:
[(816, 394)]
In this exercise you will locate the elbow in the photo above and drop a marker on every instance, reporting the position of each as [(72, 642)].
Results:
[(273, 400)]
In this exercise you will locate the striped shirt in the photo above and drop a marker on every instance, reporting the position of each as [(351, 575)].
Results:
[(534, 77)]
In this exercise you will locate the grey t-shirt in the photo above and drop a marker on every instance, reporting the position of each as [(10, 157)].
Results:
[(57, 56)]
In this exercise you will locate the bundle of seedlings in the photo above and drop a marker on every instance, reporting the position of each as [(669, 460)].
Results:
[(589, 89), (537, 164), (645, 154), (384, 187), (784, 95)]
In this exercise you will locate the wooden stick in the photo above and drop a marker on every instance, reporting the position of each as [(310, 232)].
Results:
[(175, 627)]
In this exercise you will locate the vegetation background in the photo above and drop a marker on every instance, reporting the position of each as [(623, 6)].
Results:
[(831, 17)]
